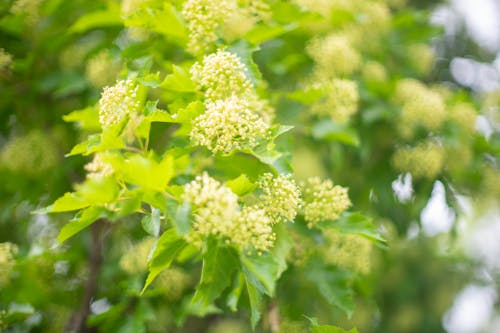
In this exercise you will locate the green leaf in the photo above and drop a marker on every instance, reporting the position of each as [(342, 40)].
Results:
[(306, 96), (144, 171), (182, 220), (328, 130), (264, 32), (98, 191), (263, 271), (334, 285), (355, 223), (98, 142), (179, 80), (241, 185), (81, 221), (235, 293), (316, 328), (185, 116), (166, 21), (68, 202), (255, 297), (219, 263), (330, 329), (151, 223), (99, 19), (87, 119), (167, 248)]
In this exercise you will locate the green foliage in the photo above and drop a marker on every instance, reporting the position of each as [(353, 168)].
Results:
[(161, 185)]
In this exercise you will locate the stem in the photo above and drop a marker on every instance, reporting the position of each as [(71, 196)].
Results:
[(77, 322)]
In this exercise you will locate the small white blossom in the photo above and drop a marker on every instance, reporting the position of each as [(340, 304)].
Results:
[(280, 198), (227, 125), (323, 200), (117, 102)]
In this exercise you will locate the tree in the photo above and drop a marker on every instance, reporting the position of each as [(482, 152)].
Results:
[(231, 162)]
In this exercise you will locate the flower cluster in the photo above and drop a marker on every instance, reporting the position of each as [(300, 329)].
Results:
[(333, 55), (349, 251), (426, 160), (215, 206), (253, 228), (31, 154), (173, 282), (421, 107), (324, 7), (243, 18), (421, 57), (117, 102), (227, 125), (340, 101), (203, 18), (221, 75), (5, 61), (374, 72), (102, 69), (217, 212), (280, 198), (323, 200), (97, 168), (129, 7), (464, 115), (7, 254), (30, 9), (135, 260)]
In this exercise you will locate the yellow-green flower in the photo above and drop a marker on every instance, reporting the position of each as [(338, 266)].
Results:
[(348, 251), (8, 252), (323, 200), (426, 160), (280, 198), (117, 102), (204, 17), (227, 125)]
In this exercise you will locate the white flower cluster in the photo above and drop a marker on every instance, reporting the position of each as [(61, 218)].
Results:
[(235, 117), (217, 212), (221, 75), (426, 160), (227, 125), (117, 102), (340, 101), (323, 200), (280, 198), (135, 259), (421, 107), (102, 69), (204, 18), (334, 56), (97, 168), (215, 206), (348, 251)]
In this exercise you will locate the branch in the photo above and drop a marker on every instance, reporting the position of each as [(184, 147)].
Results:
[(77, 322)]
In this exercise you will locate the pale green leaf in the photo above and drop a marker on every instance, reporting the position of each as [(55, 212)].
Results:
[(99, 19), (328, 130), (151, 223), (81, 221), (179, 80), (241, 185)]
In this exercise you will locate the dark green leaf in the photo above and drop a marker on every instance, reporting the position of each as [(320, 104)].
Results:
[(219, 263)]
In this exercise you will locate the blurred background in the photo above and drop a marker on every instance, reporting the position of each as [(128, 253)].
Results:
[(442, 273)]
